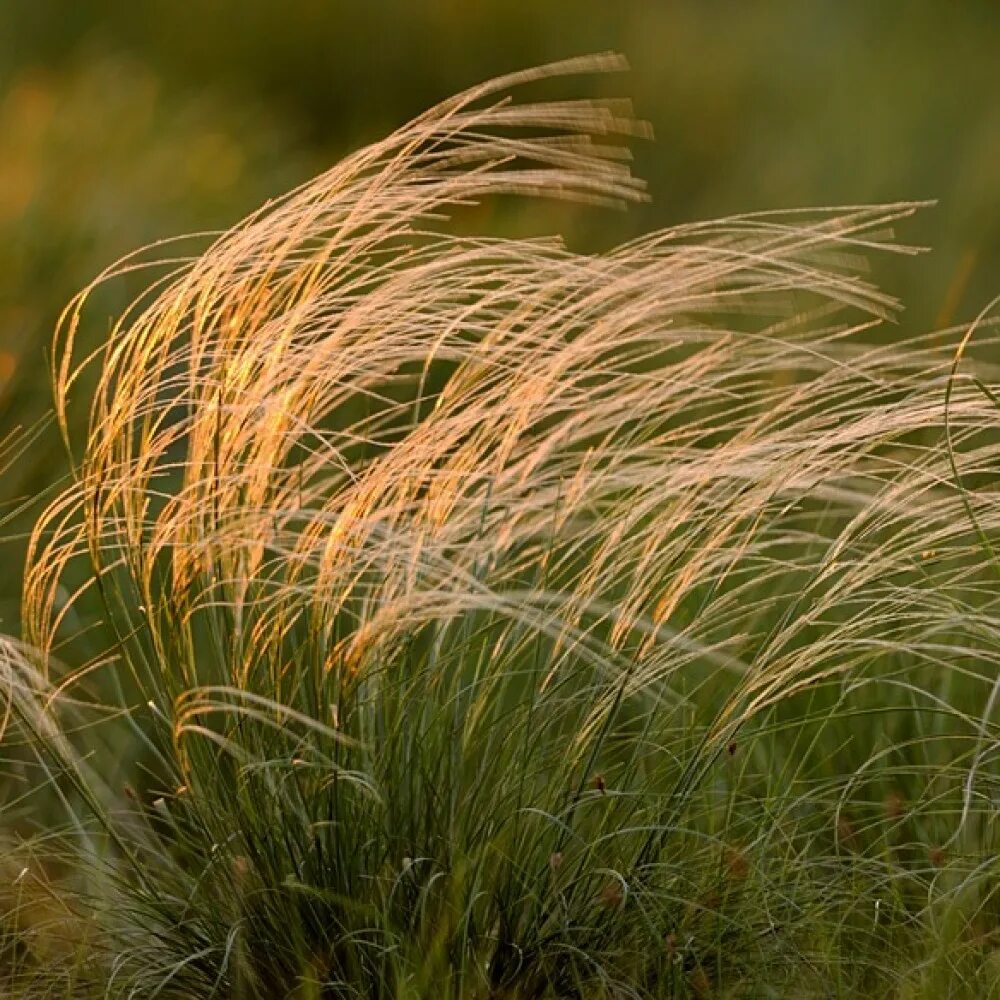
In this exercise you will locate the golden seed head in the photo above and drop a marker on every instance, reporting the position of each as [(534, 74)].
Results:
[(612, 897)]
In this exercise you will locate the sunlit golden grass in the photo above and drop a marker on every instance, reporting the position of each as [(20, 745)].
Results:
[(336, 412), (617, 507)]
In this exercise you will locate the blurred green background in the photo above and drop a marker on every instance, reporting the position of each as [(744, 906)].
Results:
[(121, 123)]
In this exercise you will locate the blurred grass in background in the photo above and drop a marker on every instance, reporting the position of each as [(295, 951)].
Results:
[(123, 124)]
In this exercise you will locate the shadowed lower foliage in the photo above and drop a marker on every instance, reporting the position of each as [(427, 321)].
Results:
[(489, 620)]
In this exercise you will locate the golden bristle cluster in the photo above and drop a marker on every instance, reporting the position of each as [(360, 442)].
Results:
[(341, 422)]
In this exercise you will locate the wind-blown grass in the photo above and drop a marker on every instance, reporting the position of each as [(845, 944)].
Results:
[(488, 618)]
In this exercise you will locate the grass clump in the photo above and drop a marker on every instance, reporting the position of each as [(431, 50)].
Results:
[(486, 619)]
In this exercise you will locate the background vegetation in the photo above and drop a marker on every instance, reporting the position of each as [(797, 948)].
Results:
[(848, 808)]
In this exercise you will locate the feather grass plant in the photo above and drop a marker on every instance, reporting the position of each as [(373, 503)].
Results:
[(490, 619)]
